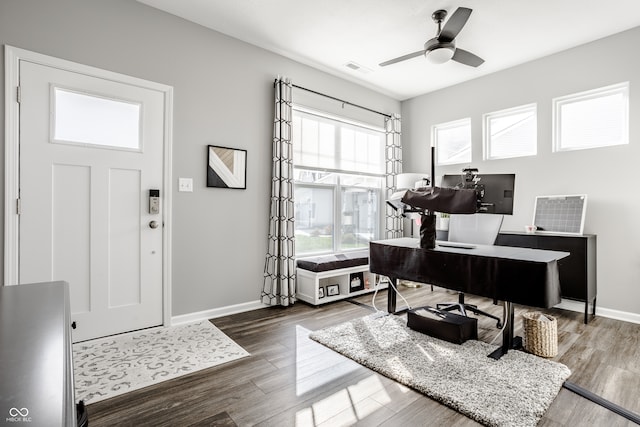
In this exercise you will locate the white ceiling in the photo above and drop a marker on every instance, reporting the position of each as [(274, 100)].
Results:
[(328, 34)]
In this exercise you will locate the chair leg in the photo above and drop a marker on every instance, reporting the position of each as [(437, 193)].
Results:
[(483, 313), (451, 307), (462, 307)]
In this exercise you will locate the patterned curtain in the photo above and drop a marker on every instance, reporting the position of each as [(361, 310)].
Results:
[(393, 158), (279, 286)]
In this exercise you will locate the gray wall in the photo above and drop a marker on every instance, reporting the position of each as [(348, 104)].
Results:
[(608, 175), (223, 95)]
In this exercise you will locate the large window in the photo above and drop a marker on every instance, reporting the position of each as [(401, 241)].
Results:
[(596, 118), (452, 141), (338, 179), (510, 133)]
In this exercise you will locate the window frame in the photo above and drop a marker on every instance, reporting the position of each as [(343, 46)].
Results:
[(559, 102), (486, 130), (339, 186), (449, 125)]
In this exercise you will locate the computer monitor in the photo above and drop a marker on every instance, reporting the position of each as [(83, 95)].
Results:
[(495, 191)]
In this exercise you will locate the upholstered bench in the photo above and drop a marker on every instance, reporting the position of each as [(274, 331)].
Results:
[(334, 262), (327, 278)]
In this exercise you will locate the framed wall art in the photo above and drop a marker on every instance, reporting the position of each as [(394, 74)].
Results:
[(226, 167)]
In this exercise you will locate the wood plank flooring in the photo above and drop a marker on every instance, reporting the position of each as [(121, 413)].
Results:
[(290, 380)]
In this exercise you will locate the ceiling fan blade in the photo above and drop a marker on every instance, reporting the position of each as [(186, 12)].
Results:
[(454, 24), (467, 58), (402, 58)]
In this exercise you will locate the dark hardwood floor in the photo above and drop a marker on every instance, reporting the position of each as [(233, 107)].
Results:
[(290, 380)]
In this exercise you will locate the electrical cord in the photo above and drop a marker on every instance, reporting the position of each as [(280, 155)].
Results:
[(373, 299), (504, 322)]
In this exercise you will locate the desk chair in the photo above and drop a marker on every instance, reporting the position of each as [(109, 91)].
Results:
[(481, 229)]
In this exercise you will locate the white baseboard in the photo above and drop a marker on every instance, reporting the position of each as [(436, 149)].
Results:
[(254, 305), (216, 312), (600, 311)]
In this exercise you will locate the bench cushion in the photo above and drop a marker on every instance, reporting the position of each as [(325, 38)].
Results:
[(334, 262)]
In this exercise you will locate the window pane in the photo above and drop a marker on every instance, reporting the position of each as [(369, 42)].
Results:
[(359, 220), (511, 133), (89, 119), (313, 143), (326, 143), (597, 118), (338, 180), (361, 151), (453, 142), (314, 219)]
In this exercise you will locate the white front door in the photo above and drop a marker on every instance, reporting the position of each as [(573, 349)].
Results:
[(90, 151)]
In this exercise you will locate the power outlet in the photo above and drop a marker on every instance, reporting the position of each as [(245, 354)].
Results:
[(185, 184)]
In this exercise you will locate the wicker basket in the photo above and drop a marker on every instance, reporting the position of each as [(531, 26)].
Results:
[(540, 334)]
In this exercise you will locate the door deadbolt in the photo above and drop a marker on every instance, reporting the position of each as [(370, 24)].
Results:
[(154, 202)]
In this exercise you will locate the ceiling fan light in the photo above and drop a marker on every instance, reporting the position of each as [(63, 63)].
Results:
[(441, 55)]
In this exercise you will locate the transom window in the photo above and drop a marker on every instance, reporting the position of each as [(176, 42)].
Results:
[(595, 118), (88, 119), (452, 141), (510, 133), (338, 179)]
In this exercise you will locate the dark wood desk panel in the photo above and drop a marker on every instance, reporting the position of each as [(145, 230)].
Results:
[(578, 280), (511, 274)]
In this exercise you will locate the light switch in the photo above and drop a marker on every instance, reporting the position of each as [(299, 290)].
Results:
[(185, 184)]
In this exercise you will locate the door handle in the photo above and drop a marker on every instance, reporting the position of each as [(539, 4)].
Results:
[(154, 224)]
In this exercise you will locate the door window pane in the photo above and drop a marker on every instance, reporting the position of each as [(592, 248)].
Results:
[(314, 219), (81, 118)]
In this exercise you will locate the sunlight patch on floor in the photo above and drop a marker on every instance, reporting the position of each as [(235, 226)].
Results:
[(345, 407), (317, 366)]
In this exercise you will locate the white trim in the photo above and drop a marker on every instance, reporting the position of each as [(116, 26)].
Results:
[(13, 56), (609, 313), (11, 125), (217, 312), (167, 209)]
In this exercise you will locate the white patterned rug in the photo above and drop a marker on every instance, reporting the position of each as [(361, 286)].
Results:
[(108, 367), (513, 391)]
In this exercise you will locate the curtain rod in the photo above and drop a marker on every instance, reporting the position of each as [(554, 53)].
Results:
[(341, 100)]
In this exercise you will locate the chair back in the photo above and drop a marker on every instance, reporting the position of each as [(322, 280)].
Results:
[(480, 229)]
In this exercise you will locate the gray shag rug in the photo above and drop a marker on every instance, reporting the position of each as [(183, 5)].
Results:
[(513, 391)]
